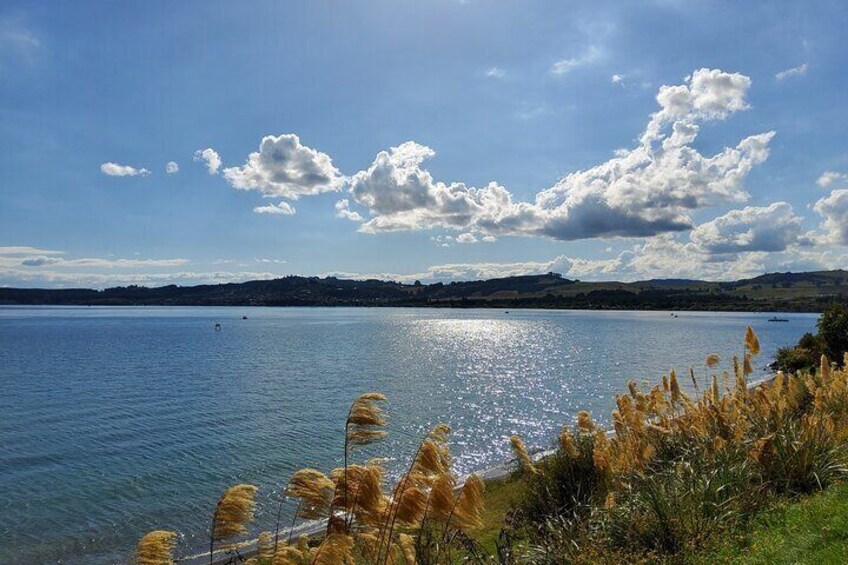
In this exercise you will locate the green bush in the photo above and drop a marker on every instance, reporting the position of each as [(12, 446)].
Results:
[(833, 332), (792, 359), (565, 485)]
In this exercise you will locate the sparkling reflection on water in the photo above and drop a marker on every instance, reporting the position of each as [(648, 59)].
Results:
[(120, 420)]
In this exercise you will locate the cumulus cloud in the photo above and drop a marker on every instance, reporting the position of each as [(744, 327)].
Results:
[(834, 212), (771, 228), (172, 167), (495, 72), (617, 79), (343, 211), (281, 209), (210, 158), (466, 238), (707, 94), (116, 170), (798, 71), (640, 192), (828, 178), (283, 167)]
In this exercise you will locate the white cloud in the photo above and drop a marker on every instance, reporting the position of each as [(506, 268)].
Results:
[(210, 157), (46, 278), (565, 66), (275, 261), (828, 178), (27, 250), (798, 71), (42, 260), (617, 79), (172, 167), (495, 72), (116, 170), (402, 196), (466, 238), (771, 228), (707, 94), (283, 167), (343, 211), (281, 209), (834, 211), (640, 192), (442, 240)]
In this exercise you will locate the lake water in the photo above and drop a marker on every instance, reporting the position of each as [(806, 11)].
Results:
[(116, 421)]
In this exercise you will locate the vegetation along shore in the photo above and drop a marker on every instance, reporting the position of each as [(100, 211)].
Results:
[(774, 292), (688, 473)]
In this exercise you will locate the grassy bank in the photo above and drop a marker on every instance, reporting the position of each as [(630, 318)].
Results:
[(810, 531)]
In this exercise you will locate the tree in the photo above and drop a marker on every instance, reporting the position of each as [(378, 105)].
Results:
[(833, 332)]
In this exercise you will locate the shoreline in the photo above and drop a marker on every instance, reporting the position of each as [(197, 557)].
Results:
[(507, 309), (312, 527)]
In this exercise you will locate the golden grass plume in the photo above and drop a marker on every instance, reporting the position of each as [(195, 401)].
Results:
[(364, 419), (156, 548), (233, 512), (752, 343), (314, 489), (521, 454)]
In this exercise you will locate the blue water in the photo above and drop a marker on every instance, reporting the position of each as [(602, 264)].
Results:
[(116, 421)]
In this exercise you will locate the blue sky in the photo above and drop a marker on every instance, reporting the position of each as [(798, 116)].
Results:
[(436, 140)]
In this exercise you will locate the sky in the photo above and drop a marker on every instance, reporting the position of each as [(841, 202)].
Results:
[(198, 142)]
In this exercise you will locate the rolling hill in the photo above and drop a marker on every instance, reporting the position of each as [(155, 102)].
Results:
[(770, 292)]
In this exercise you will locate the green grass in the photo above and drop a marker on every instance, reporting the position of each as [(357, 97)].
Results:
[(811, 531), (500, 497), (814, 531)]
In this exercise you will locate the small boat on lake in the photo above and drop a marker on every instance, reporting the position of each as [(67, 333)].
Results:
[(776, 319)]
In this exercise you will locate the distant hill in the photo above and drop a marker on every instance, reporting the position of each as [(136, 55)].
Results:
[(799, 292)]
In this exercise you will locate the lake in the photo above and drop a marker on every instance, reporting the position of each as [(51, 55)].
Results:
[(118, 420)]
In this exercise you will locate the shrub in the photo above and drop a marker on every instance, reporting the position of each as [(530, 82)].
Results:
[(564, 485), (833, 331), (793, 359)]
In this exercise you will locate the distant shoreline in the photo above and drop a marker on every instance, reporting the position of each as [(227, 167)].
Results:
[(420, 307), (775, 292)]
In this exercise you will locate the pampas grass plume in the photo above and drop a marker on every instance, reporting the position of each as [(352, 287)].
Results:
[(521, 454), (156, 548), (469, 506), (752, 343), (233, 512)]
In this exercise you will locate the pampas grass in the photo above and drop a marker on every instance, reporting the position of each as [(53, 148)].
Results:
[(520, 451), (667, 483), (233, 513), (156, 548)]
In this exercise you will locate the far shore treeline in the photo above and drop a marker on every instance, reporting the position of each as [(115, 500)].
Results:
[(774, 292)]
